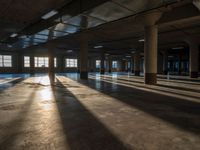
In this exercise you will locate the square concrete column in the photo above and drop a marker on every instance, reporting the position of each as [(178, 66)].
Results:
[(20, 63), (60, 64), (150, 54), (165, 62), (132, 63), (102, 70), (110, 64), (149, 21), (136, 63), (194, 60), (84, 57), (78, 62), (32, 64), (51, 64), (123, 65), (179, 63)]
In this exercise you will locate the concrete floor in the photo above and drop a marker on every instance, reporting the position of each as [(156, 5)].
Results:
[(110, 112)]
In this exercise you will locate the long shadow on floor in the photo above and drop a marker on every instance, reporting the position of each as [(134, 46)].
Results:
[(11, 130), (10, 84), (161, 85), (12, 81), (131, 83), (179, 112), (82, 129)]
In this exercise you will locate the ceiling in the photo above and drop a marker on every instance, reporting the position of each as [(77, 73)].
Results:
[(111, 24)]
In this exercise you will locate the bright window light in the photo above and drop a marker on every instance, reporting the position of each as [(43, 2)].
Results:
[(41, 62), (98, 64), (26, 61), (55, 62), (13, 35), (114, 64), (49, 14), (5, 61), (71, 63)]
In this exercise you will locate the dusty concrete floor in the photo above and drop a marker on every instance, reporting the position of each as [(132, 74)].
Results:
[(104, 113)]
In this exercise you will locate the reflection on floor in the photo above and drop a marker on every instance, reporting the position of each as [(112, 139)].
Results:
[(107, 112)]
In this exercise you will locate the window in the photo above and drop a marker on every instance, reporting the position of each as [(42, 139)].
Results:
[(114, 64), (98, 64), (41, 61), (55, 62), (5, 61), (26, 61), (71, 63), (129, 65)]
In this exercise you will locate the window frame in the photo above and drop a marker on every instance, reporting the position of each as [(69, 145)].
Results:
[(5, 61), (98, 64), (114, 64), (27, 62), (71, 63), (41, 62)]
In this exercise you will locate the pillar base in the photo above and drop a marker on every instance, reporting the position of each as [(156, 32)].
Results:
[(194, 75), (165, 72), (102, 71), (84, 75), (137, 73), (52, 78), (32, 71), (150, 78)]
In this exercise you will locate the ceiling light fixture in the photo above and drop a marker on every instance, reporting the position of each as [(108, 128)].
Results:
[(176, 48), (13, 35), (141, 40), (49, 14), (99, 46), (69, 51), (9, 46)]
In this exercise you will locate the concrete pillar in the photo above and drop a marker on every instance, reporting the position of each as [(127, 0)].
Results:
[(51, 64), (32, 64), (20, 63), (194, 60), (150, 46), (90, 64), (179, 63), (78, 62), (126, 66), (102, 69), (122, 65), (150, 54), (165, 62), (84, 57), (94, 64), (132, 63), (110, 64), (136, 66), (60, 64)]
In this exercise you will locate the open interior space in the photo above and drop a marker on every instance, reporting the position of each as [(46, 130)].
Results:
[(100, 75)]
